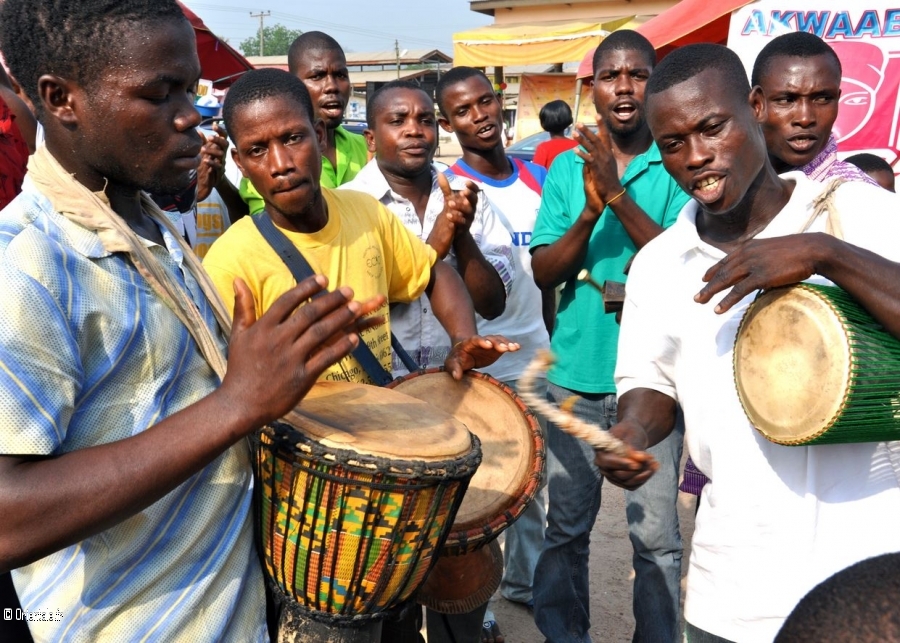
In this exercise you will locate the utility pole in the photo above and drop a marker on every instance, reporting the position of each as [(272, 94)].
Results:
[(261, 15), (397, 53)]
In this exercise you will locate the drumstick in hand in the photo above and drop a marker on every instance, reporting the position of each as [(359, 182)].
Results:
[(563, 418)]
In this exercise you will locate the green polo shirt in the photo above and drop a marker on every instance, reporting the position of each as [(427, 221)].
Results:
[(585, 338), (352, 155)]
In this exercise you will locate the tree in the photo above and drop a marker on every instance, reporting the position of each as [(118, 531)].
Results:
[(277, 40)]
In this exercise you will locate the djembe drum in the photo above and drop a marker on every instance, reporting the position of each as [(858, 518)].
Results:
[(471, 564), (356, 492), (812, 367)]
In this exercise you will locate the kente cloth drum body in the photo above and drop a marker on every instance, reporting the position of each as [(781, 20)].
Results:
[(812, 367), (512, 448), (353, 504)]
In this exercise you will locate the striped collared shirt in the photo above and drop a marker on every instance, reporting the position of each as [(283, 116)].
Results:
[(89, 355)]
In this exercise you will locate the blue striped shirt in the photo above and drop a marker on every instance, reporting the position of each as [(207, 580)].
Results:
[(89, 355)]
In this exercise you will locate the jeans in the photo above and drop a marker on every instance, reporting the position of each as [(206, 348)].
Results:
[(656, 540), (696, 635), (561, 588), (455, 628), (525, 537)]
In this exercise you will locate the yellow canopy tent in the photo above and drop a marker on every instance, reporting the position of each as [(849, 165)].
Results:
[(530, 44)]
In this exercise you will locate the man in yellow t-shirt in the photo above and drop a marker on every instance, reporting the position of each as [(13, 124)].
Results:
[(347, 236)]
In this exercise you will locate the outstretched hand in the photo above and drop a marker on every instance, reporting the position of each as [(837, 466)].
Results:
[(275, 360), (758, 264), (634, 469), (456, 217), (477, 352)]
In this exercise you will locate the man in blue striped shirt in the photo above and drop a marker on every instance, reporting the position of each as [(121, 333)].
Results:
[(125, 486)]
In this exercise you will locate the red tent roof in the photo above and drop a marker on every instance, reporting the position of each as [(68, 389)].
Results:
[(219, 62), (691, 21), (685, 23)]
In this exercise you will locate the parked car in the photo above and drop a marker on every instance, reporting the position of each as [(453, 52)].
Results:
[(525, 148), (354, 125)]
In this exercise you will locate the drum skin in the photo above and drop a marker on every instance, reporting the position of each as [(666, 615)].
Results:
[(512, 447), (813, 367)]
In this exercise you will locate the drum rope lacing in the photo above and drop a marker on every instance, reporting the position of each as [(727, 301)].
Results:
[(285, 437)]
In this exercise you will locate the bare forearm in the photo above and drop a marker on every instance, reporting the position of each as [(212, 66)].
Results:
[(89, 490), (480, 278), (561, 260), (548, 308), (868, 277), (652, 411), (640, 228), (451, 303)]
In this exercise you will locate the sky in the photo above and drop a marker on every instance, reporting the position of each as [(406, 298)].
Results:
[(358, 25)]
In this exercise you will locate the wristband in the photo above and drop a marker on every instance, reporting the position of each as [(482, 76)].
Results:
[(616, 197)]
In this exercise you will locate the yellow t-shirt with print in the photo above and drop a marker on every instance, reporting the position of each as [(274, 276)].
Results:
[(362, 246)]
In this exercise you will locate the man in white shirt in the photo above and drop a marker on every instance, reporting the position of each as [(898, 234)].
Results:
[(460, 225), (450, 215), (775, 520)]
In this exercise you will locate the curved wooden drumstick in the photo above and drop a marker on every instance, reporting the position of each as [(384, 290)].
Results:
[(562, 417)]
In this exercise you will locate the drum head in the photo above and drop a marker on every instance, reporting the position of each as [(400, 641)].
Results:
[(378, 421), (506, 428), (792, 364)]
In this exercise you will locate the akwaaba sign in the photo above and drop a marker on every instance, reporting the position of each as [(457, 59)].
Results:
[(866, 36)]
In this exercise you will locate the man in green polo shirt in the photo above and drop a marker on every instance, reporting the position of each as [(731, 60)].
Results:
[(318, 60), (600, 204)]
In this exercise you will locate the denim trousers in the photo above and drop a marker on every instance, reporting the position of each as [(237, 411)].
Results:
[(561, 583)]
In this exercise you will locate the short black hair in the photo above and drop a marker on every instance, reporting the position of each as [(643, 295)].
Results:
[(857, 604), (797, 44), (259, 84), (456, 75), (555, 116), (310, 41), (684, 63), (74, 39), (625, 39), (375, 103), (869, 163)]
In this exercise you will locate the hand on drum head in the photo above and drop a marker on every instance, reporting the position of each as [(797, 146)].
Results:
[(477, 352), (633, 470), (763, 263), (275, 360)]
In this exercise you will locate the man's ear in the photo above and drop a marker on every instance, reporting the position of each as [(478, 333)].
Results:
[(237, 160), (370, 141), (321, 135), (758, 104), (445, 124), (60, 99)]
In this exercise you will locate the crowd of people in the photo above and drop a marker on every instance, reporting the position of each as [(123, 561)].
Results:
[(131, 371)]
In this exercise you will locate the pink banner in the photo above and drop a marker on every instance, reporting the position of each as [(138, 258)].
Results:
[(866, 36)]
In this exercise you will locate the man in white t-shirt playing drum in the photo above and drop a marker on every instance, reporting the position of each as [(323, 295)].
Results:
[(775, 520)]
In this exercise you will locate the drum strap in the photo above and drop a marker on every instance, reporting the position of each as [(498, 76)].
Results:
[(300, 269), (824, 204)]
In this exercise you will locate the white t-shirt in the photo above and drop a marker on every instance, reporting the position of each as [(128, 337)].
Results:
[(775, 520), (516, 204)]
